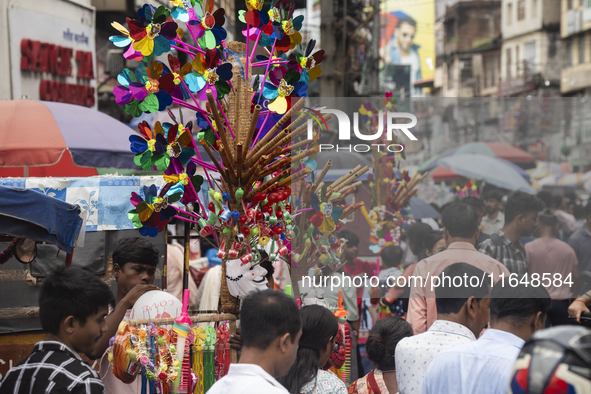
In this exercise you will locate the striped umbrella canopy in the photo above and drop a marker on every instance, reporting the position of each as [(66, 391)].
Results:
[(69, 138)]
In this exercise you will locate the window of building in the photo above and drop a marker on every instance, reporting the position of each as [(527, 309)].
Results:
[(529, 55), (581, 49), (552, 44), (466, 70), (569, 4), (517, 62), (493, 72), (534, 8), (450, 75), (587, 3), (450, 32), (490, 63), (508, 63), (509, 14), (569, 53), (520, 10)]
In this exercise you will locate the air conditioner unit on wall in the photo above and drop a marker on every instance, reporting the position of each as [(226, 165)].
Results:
[(115, 62)]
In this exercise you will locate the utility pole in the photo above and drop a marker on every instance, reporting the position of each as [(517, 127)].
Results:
[(375, 36), (330, 82)]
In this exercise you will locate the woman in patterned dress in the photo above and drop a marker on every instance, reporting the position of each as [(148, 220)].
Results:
[(319, 330), (380, 345)]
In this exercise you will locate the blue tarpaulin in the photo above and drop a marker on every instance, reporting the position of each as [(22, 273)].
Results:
[(25, 213)]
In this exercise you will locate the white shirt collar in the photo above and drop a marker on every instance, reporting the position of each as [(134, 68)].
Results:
[(451, 328), (253, 370)]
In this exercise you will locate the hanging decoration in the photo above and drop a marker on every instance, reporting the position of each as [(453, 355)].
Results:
[(181, 359), (391, 188), (471, 188), (256, 156)]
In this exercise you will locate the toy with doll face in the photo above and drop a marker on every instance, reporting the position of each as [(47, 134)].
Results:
[(243, 279)]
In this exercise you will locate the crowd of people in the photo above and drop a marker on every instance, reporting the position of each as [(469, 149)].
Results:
[(457, 337)]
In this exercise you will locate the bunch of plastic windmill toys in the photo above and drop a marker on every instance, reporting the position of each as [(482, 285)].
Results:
[(391, 188), (259, 179)]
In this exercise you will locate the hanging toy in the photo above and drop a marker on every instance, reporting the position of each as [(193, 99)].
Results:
[(181, 328), (208, 359), (221, 254), (200, 336), (222, 351), (341, 314), (123, 356), (233, 252)]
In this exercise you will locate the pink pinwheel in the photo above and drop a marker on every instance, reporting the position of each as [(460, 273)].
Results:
[(208, 25), (209, 75)]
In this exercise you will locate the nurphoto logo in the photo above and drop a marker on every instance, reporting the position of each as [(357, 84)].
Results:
[(392, 119)]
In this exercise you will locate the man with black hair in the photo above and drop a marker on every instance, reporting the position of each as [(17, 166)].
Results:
[(460, 222), (566, 221), (484, 366), (391, 256), (480, 207), (270, 332), (580, 241), (354, 266), (412, 248), (547, 256), (521, 219), (73, 305), (403, 51), (462, 313), (494, 219), (134, 267)]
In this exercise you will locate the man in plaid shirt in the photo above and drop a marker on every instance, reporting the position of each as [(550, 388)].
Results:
[(72, 308), (521, 219)]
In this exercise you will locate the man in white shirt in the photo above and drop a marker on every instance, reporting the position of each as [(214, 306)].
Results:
[(485, 366), (494, 220), (462, 313), (270, 332)]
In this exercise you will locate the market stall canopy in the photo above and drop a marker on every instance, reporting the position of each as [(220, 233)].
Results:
[(490, 149), (488, 169), (25, 213), (40, 133), (442, 174)]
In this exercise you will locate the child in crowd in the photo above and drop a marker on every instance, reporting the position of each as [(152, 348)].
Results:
[(319, 330), (73, 306)]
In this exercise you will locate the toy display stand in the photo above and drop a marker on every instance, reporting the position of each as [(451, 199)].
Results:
[(196, 319)]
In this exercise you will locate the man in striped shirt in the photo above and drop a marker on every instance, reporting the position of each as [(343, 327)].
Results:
[(72, 308), (521, 219)]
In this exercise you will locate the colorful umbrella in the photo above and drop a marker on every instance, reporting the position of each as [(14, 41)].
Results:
[(420, 209), (491, 149), (40, 134), (445, 174), (491, 170)]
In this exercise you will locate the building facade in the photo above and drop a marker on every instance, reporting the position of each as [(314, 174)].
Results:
[(55, 60), (531, 50), (575, 31), (469, 62)]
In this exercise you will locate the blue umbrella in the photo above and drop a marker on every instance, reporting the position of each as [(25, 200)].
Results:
[(421, 210), (489, 169)]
